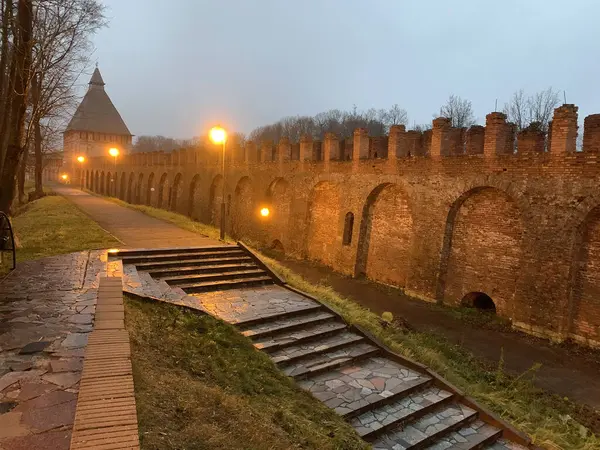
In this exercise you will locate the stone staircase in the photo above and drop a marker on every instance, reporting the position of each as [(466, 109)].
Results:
[(200, 269), (392, 402)]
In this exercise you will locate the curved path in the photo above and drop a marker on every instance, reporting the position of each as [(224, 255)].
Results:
[(133, 228)]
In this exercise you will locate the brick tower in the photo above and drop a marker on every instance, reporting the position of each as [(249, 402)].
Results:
[(95, 127)]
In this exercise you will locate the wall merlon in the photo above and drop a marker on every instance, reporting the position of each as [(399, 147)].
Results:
[(360, 144), (397, 142), (439, 137), (564, 130), (306, 148), (284, 149), (591, 134)]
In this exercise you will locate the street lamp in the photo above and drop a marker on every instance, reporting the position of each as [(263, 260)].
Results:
[(81, 160), (219, 136), (265, 212), (64, 177), (114, 152)]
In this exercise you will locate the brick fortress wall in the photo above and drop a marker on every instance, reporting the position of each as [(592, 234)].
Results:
[(442, 214)]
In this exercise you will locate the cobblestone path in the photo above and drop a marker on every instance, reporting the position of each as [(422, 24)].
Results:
[(46, 312)]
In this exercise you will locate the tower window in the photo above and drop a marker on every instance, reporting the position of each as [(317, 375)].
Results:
[(348, 226)]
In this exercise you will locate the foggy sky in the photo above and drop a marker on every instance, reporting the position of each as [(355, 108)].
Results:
[(176, 67)]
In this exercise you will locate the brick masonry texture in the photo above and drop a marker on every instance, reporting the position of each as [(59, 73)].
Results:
[(441, 214)]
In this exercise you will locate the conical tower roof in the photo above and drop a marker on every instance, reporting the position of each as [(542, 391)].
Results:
[(96, 112)]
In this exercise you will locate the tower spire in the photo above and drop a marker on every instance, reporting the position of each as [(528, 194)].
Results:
[(96, 79)]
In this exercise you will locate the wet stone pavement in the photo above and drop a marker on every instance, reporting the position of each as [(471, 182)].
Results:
[(391, 405), (46, 312)]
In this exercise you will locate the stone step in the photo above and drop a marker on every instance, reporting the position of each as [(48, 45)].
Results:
[(470, 437), (234, 251), (426, 430), (403, 409), (193, 270), (221, 285), (169, 251), (226, 276), (305, 309), (503, 444), (325, 362), (193, 262), (285, 324), (372, 383), (294, 337), (295, 353)]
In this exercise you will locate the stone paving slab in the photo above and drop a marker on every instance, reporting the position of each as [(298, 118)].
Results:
[(282, 356), (287, 323), (466, 438), (424, 428), (243, 305), (351, 388), (328, 359), (398, 410), (292, 337), (47, 308)]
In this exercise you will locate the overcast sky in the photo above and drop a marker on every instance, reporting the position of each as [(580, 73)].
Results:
[(175, 67)]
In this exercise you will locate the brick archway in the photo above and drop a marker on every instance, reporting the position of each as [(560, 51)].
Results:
[(176, 192), (139, 189), (584, 314), (385, 236), (214, 200), (163, 192), (482, 250), (243, 214), (323, 212), (131, 188), (193, 198), (150, 191), (279, 200)]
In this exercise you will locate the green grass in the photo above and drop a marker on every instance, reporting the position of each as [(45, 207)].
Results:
[(52, 225), (551, 421), (199, 384)]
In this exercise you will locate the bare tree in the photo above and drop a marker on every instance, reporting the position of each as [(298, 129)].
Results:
[(16, 103), (44, 48), (62, 31), (523, 110), (396, 116), (459, 111), (342, 123)]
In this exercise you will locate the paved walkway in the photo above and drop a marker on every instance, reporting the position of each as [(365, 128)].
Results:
[(133, 228), (46, 313)]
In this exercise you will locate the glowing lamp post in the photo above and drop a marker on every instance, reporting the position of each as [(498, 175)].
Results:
[(114, 152), (264, 212), (219, 136), (64, 177), (81, 160)]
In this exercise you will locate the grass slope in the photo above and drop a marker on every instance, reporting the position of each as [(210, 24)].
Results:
[(201, 385), (52, 225)]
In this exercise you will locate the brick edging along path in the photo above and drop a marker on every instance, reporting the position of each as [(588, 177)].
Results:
[(106, 416)]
